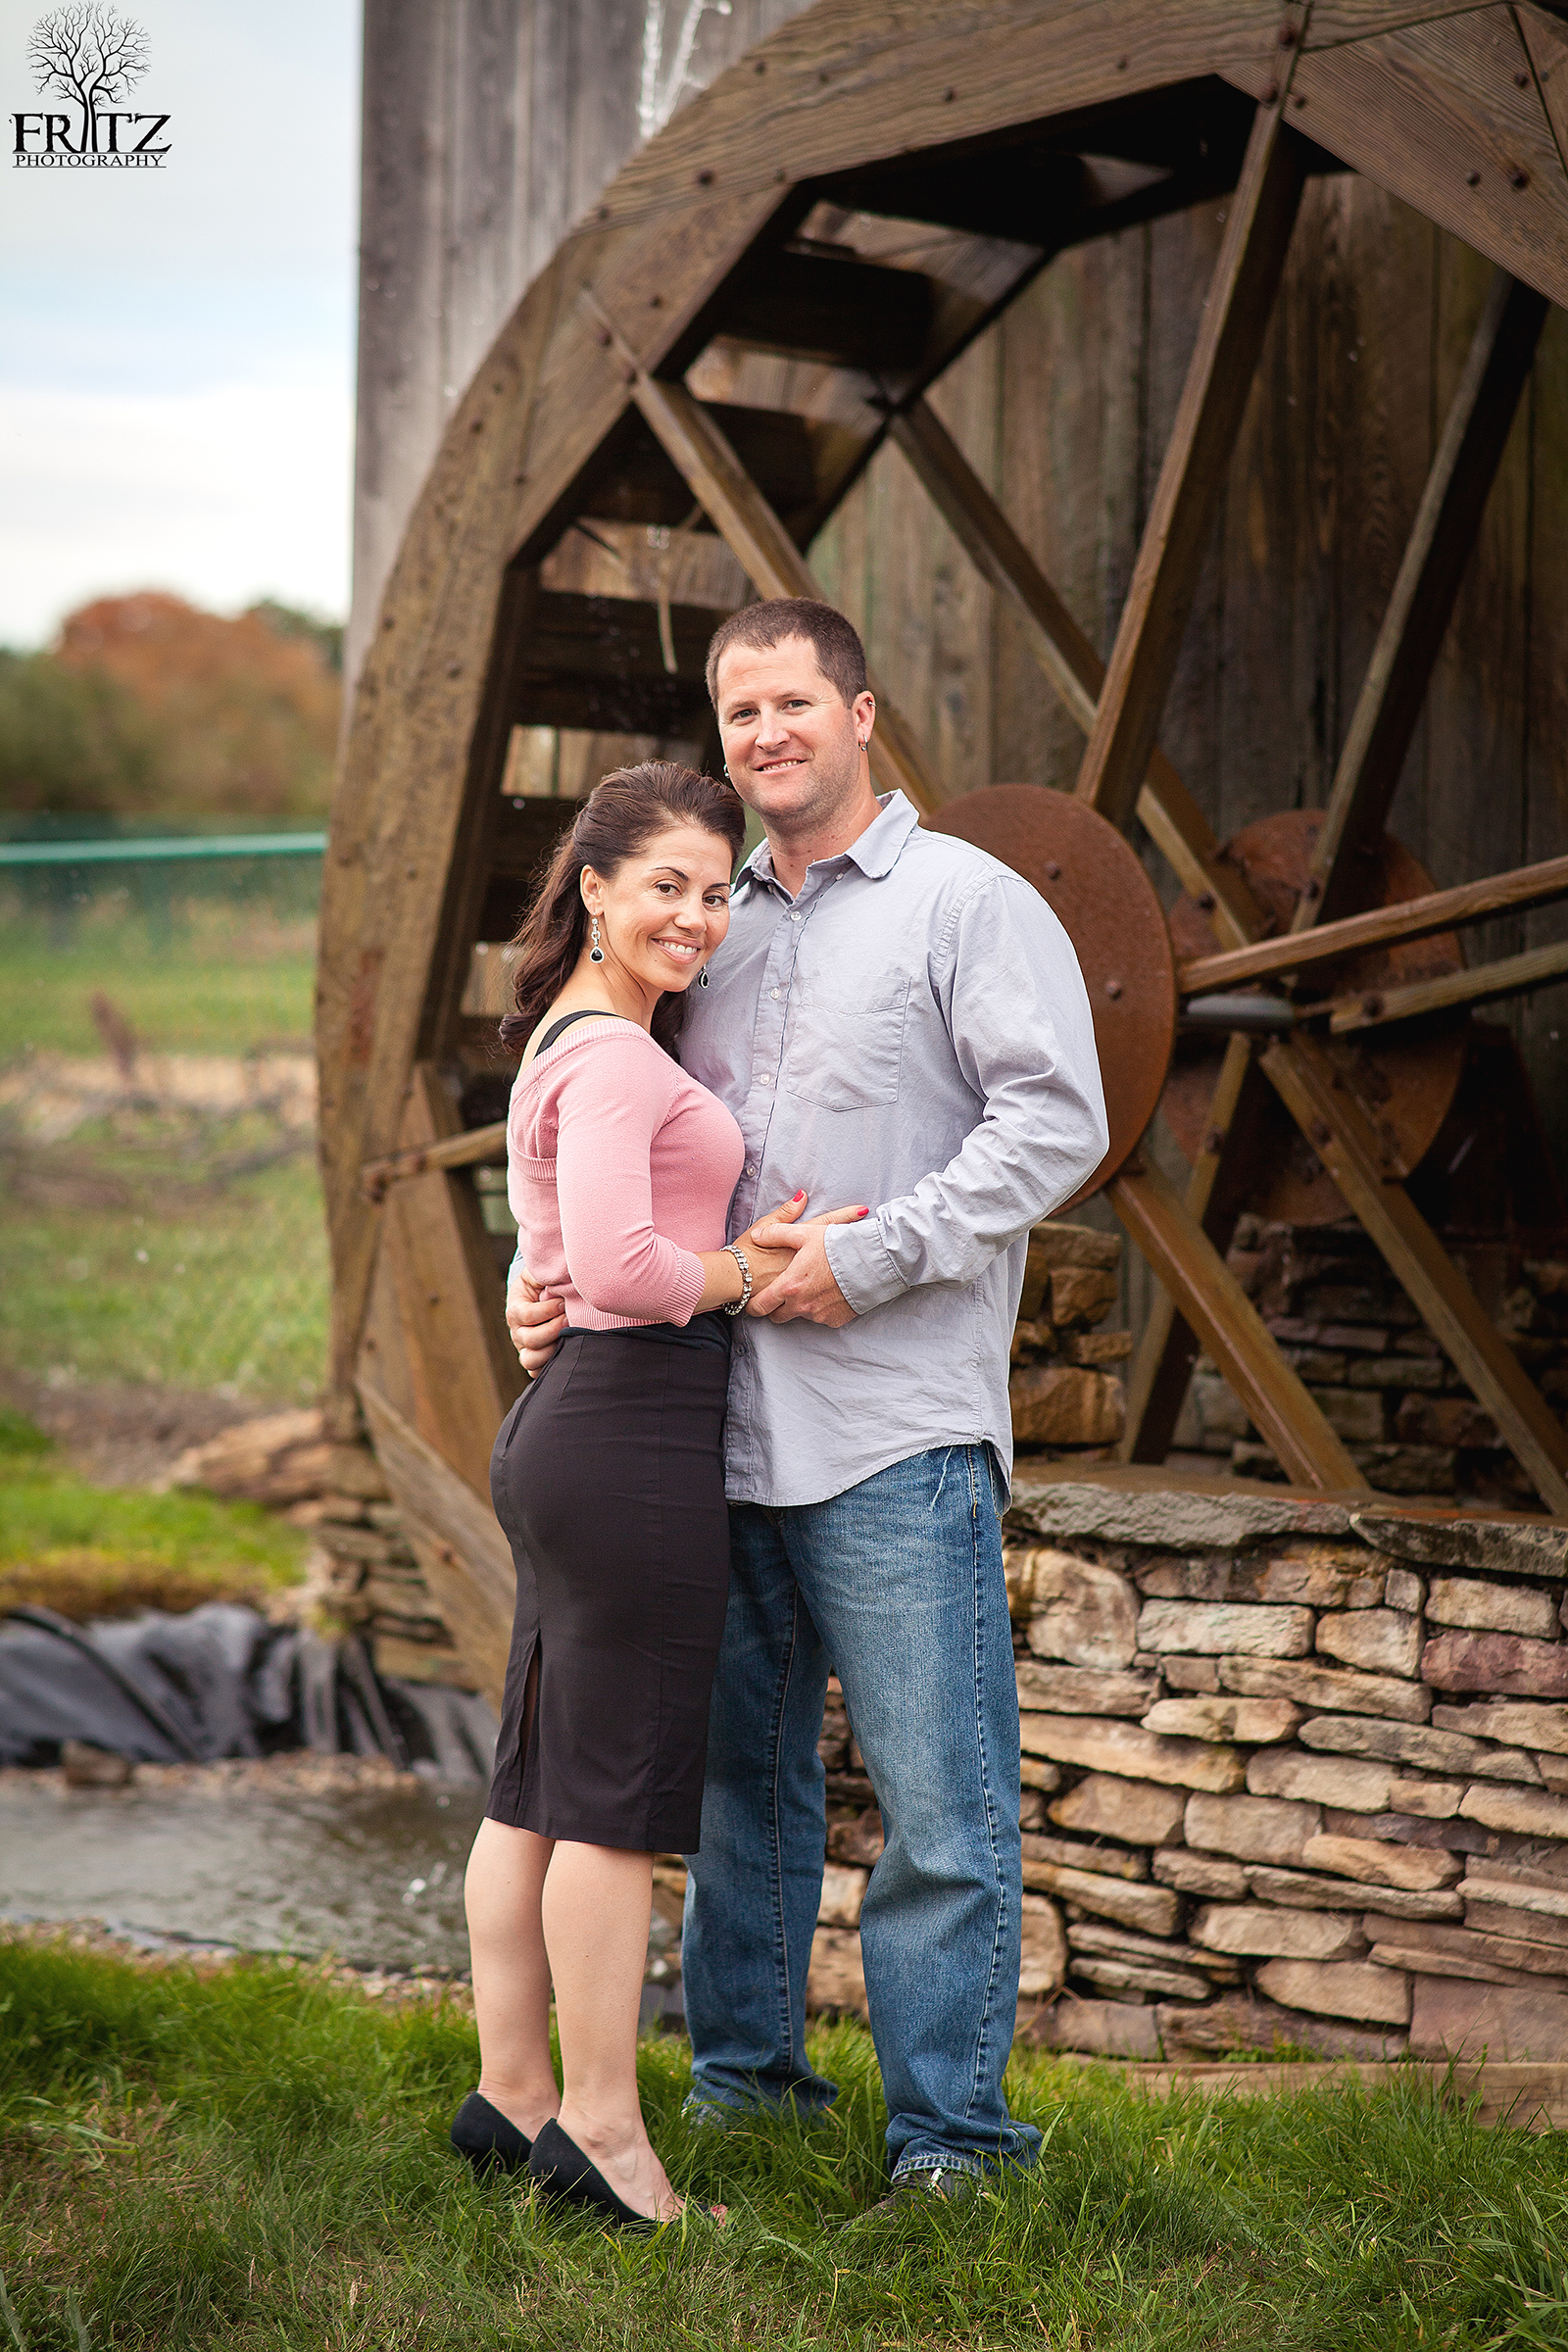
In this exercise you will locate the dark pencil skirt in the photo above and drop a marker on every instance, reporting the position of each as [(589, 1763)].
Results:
[(608, 1478)]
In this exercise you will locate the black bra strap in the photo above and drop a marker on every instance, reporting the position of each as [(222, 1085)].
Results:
[(556, 1027)]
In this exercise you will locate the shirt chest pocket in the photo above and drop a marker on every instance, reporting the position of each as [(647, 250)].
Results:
[(845, 1052)]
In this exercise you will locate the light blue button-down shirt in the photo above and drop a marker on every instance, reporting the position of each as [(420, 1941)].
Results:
[(913, 1032)]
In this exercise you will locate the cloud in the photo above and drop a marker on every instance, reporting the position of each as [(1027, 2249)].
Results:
[(223, 495)]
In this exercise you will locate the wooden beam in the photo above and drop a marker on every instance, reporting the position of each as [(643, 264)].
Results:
[(1412, 918), (1485, 984), (759, 541), (1209, 1296), (1473, 435), (452, 1151), (1214, 1197), (1165, 807), (1343, 1137), (466, 1559), (1230, 336)]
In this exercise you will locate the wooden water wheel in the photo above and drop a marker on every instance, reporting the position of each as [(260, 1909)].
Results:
[(762, 297)]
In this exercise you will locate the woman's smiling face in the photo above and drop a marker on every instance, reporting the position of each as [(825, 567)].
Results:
[(663, 913)]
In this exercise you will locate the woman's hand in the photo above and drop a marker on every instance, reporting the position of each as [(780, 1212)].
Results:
[(721, 1285), (536, 1321), (805, 1290)]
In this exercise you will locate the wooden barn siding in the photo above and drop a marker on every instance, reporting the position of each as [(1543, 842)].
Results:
[(1064, 409), (490, 128)]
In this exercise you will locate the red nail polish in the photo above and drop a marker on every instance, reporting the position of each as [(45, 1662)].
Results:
[(862, 1213), (793, 1197)]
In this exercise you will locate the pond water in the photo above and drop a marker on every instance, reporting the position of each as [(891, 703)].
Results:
[(373, 1874)]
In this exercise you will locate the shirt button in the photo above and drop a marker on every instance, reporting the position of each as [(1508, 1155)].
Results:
[(750, 1168), (765, 1080), (775, 994), (794, 919)]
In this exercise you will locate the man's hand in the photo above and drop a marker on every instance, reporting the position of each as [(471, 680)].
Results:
[(807, 1293), (535, 1320)]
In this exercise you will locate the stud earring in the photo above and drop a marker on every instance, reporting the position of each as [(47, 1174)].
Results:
[(596, 953)]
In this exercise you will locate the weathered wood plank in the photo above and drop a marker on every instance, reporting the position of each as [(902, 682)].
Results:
[(1542, 885), (1257, 232), (1469, 451), (1421, 109), (1343, 1137), (465, 1560), (1211, 1300), (1482, 984), (465, 1150)]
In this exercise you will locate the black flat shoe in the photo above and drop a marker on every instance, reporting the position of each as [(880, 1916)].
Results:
[(562, 2170), (489, 2139)]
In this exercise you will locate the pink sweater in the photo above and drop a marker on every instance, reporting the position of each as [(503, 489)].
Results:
[(619, 1168)]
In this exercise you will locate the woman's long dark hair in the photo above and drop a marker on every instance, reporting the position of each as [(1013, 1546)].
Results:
[(621, 815)]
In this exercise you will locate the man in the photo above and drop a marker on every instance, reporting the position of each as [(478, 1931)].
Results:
[(895, 1018)]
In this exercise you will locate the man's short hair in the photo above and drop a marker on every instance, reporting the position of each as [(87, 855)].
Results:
[(840, 654)]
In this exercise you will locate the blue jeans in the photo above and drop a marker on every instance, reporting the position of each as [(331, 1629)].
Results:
[(895, 1586)]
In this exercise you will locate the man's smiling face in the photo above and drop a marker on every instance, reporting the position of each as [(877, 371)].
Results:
[(792, 745)]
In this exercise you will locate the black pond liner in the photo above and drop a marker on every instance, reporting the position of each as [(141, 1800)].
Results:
[(221, 1681)]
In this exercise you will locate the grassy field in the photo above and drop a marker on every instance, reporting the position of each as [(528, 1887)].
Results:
[(145, 1246), (88, 1550), (225, 980), (253, 2159)]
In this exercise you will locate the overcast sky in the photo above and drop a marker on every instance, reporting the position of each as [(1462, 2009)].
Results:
[(177, 346)]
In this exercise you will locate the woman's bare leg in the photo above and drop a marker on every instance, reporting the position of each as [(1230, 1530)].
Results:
[(597, 1901), (511, 1973)]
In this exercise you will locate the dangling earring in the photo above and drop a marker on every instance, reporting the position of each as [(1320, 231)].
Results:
[(702, 977), (596, 953)]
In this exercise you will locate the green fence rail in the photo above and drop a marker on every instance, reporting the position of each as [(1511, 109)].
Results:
[(121, 851)]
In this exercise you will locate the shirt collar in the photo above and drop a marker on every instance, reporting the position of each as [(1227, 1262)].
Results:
[(876, 852)]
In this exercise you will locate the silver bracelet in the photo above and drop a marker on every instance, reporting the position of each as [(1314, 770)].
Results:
[(735, 1307)]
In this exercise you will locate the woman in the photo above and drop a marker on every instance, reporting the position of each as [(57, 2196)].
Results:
[(608, 1478)]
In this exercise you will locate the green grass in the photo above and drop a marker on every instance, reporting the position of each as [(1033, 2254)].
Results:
[(253, 2159), (224, 979), (91, 1551)]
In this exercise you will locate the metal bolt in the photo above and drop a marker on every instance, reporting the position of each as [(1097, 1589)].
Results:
[(1312, 888), (1321, 1133), (1372, 1004), (1114, 990), (1519, 178), (705, 178), (1215, 1141), (1522, 79), (1206, 899), (604, 338), (1053, 869), (1271, 91), (1472, 180), (1287, 36)]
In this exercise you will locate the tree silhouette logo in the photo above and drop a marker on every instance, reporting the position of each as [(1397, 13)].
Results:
[(90, 58)]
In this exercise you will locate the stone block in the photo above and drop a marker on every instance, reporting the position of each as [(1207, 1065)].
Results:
[(1540, 1894), (1402, 1372), (1098, 2029), (1510, 1547), (1107, 1805), (1324, 1575), (1323, 1686), (1302, 1891), (1190, 1674), (1054, 1244), (1103, 1744), (1080, 1690), (1225, 1629), (858, 1842), (835, 1977), (1072, 1853), (1382, 1862), (1450, 2019), (1120, 1943), (1495, 1663), (1427, 1800), (1493, 1608), (1422, 1470), (1442, 1420), (843, 1892), (1077, 1297), (1404, 1590), (1065, 1405), (1380, 1641), (1492, 1958), (1239, 2021), (1034, 1773), (1260, 1927), (1044, 1962), (1354, 1415), (1485, 1909), (1527, 1812), (1137, 1975), (1199, 1874), (1453, 1836), (1355, 1989), (1515, 1723), (1255, 1829), (1416, 1743), (1079, 1612), (1356, 1786), (1255, 1722), (1153, 1910), (1169, 1519), (1097, 1347)]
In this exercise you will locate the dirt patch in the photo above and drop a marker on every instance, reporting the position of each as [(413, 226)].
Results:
[(121, 1433)]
